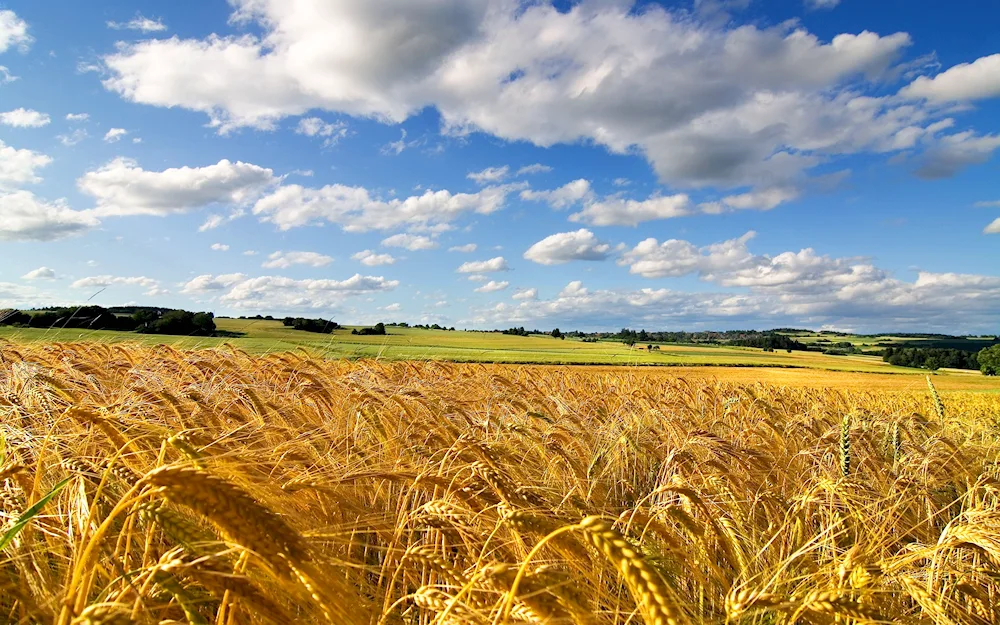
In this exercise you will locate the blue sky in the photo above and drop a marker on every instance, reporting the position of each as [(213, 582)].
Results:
[(487, 163)]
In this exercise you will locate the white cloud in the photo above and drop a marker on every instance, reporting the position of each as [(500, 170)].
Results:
[(250, 253), (25, 217), (395, 148), (356, 210), (955, 152), (485, 266), (703, 102), (993, 227), (6, 77), (122, 187), (478, 277), (862, 298), (114, 135), (621, 182), (24, 118), (77, 117), (525, 294), (220, 247), (536, 168), (73, 138), (208, 283), (489, 175), (212, 222), (13, 32), (140, 23), (136, 139), (821, 4), (964, 82), (371, 259), (283, 260), (465, 249), (276, 293), (762, 199), (97, 282), (567, 195), (613, 211), (394, 307), (411, 242), (673, 258), (42, 273), (331, 133), (492, 287), (19, 166), (993, 204), (564, 247)]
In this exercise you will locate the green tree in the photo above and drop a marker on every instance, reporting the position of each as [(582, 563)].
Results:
[(989, 360), (556, 334)]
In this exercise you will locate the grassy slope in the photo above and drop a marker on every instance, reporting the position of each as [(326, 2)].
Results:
[(409, 343)]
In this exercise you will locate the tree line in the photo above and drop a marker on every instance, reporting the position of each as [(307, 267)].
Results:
[(142, 320), (986, 360)]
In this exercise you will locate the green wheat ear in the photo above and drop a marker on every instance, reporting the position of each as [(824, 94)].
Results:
[(938, 404), (845, 446)]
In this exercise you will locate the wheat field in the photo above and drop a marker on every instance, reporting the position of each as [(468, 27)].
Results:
[(151, 485)]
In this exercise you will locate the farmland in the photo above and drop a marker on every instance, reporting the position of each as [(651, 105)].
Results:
[(263, 336), (158, 485)]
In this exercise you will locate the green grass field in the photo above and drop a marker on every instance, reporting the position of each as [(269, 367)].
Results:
[(260, 336)]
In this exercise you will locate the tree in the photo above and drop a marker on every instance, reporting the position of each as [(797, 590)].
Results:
[(989, 360), (204, 322), (556, 334)]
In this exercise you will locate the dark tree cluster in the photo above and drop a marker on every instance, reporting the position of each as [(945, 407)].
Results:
[(930, 358), (320, 326), (378, 330), (424, 326), (175, 322), (144, 320), (769, 340), (989, 360)]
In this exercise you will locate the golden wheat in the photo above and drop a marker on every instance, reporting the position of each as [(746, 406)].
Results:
[(151, 485)]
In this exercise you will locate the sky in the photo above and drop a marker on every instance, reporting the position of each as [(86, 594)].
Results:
[(715, 164)]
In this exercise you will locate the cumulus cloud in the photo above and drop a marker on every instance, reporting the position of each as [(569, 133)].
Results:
[(283, 260), (72, 138), (956, 152), (484, 266), (536, 168), (565, 196), (821, 4), (220, 247), (13, 32), (331, 133), (372, 259), (42, 273), (25, 217), (489, 175), (993, 227), (761, 199), (704, 102), (77, 117), (858, 299), (613, 211), (411, 242), (276, 293), (114, 135), (564, 247), (5, 76), (465, 249), (964, 82), (355, 209), (492, 287), (97, 282), (141, 24), (123, 188), (24, 118), (525, 294), (19, 166)]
